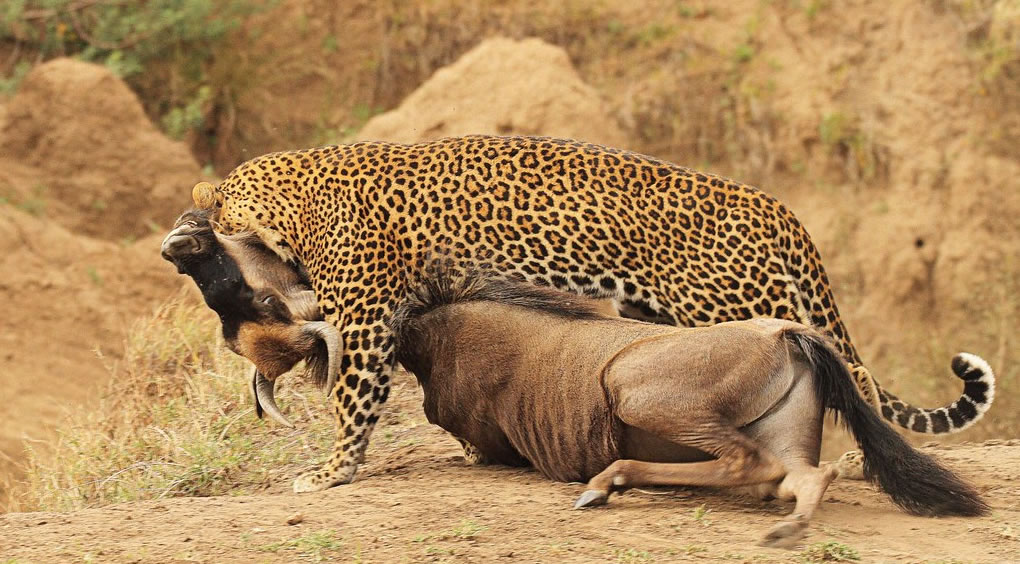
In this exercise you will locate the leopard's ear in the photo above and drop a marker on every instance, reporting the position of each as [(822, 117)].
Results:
[(204, 195)]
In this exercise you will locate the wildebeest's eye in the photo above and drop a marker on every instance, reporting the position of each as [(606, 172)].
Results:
[(191, 223)]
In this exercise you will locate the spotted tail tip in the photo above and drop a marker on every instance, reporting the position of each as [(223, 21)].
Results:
[(979, 386)]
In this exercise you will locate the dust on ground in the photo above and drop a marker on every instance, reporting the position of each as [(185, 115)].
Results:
[(416, 500)]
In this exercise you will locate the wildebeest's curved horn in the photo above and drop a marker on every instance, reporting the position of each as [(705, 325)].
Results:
[(265, 400), (329, 335)]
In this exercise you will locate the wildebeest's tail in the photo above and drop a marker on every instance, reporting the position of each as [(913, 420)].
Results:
[(915, 481)]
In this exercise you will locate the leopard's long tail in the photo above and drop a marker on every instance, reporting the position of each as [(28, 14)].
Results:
[(978, 395), (814, 304)]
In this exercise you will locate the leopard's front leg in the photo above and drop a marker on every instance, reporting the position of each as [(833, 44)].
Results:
[(362, 386)]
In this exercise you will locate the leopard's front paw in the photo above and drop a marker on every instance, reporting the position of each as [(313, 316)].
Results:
[(323, 479)]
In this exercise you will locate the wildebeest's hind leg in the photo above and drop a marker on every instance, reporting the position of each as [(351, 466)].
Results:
[(793, 430), (738, 460)]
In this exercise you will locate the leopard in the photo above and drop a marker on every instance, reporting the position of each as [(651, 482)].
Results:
[(665, 243)]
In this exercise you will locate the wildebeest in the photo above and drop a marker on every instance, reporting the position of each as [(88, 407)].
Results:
[(534, 376), (529, 375), (267, 310)]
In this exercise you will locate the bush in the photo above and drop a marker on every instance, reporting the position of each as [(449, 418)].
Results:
[(169, 46)]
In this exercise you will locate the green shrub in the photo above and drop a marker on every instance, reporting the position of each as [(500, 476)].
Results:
[(165, 45)]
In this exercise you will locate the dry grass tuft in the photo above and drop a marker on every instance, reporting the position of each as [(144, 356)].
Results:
[(175, 420)]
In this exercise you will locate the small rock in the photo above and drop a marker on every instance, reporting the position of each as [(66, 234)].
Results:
[(295, 519)]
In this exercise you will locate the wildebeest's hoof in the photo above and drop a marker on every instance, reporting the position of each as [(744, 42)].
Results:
[(786, 534), (591, 498)]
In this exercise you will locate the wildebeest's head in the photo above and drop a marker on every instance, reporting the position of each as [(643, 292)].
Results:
[(267, 308)]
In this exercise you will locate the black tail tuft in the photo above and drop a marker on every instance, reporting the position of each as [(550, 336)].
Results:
[(915, 481)]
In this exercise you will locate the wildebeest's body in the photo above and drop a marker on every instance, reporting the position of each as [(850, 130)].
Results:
[(532, 375), (477, 395), (561, 417)]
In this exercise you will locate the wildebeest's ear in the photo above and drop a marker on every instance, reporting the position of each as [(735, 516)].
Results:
[(204, 195)]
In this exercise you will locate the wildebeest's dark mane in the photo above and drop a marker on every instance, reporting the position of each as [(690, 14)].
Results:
[(441, 285)]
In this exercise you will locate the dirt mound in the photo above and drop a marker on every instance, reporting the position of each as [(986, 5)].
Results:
[(69, 302), (417, 500), (78, 148), (503, 87)]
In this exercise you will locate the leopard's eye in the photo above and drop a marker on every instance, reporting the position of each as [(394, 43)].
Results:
[(269, 300)]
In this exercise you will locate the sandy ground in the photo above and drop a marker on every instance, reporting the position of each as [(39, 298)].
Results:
[(417, 500)]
